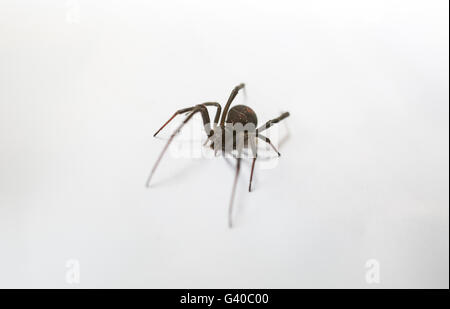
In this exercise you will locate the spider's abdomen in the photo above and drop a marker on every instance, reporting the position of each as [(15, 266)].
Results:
[(242, 114)]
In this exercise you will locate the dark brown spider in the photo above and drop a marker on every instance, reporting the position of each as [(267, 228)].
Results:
[(237, 130)]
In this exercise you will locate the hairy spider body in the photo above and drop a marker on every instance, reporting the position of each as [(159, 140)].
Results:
[(240, 119), (242, 114), (237, 130)]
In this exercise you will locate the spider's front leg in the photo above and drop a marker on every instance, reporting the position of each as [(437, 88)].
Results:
[(188, 109), (267, 140), (198, 108), (233, 94)]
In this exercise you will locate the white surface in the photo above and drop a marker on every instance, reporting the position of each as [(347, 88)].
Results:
[(363, 176)]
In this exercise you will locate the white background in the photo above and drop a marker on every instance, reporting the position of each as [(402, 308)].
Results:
[(364, 174)]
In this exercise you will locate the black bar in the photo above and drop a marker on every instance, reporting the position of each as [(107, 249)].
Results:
[(211, 298)]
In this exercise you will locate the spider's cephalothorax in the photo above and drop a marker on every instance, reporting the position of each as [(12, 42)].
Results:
[(237, 130)]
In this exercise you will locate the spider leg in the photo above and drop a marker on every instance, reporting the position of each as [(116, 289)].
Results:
[(252, 141), (180, 111), (230, 99), (188, 109), (199, 108), (219, 109), (267, 140), (270, 123)]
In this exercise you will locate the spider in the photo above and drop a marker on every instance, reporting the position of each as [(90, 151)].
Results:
[(236, 130)]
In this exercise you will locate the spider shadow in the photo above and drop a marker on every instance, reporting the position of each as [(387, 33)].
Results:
[(179, 175), (240, 199)]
